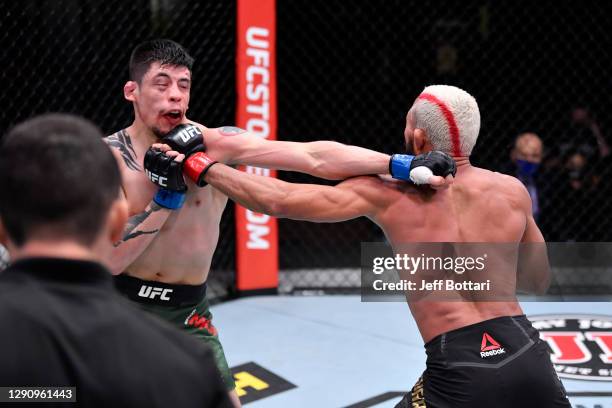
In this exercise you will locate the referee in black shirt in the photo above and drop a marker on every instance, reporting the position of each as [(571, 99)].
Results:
[(62, 322)]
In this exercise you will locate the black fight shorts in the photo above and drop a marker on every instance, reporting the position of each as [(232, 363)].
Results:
[(499, 363)]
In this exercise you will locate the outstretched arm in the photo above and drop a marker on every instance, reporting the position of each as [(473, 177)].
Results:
[(325, 159), (309, 202)]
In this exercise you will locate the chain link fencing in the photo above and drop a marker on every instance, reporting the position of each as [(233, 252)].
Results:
[(72, 56), (348, 71)]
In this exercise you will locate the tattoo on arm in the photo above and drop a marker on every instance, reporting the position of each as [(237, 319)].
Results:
[(134, 221), (122, 142), (136, 234), (231, 130)]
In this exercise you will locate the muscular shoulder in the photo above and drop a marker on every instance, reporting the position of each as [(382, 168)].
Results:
[(219, 132), (123, 149), (514, 191), (223, 132), (362, 183), (224, 143), (375, 189), (510, 184)]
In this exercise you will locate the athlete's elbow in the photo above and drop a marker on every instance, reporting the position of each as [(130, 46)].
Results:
[(327, 171), (120, 257), (322, 167), (277, 209), (268, 205), (116, 265)]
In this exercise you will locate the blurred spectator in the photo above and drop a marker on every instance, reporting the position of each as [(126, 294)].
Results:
[(526, 157), (447, 31), (575, 196), (577, 169), (576, 166), (584, 135)]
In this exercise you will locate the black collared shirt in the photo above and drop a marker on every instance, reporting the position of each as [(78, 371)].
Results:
[(63, 324)]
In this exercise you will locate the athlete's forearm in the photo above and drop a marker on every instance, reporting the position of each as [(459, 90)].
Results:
[(324, 159), (336, 161), (260, 194), (139, 231), (308, 202)]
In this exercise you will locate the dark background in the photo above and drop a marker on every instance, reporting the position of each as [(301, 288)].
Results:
[(347, 71)]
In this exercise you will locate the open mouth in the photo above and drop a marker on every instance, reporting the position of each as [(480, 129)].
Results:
[(173, 114)]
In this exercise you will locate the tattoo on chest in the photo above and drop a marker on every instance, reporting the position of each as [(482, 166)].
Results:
[(121, 141), (135, 221), (231, 130)]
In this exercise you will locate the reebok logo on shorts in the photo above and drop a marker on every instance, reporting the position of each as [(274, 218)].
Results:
[(489, 347), (152, 292)]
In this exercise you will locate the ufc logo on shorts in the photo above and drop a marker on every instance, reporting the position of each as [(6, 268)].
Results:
[(187, 134), (152, 292), (161, 181)]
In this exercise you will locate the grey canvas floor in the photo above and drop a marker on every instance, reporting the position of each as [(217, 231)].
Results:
[(337, 351)]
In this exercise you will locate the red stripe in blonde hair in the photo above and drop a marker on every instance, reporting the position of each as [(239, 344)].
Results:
[(450, 120)]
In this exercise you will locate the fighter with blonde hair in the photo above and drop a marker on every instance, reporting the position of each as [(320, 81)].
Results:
[(480, 354), (163, 260)]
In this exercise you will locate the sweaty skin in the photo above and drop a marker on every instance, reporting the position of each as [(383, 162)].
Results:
[(177, 246), (480, 206)]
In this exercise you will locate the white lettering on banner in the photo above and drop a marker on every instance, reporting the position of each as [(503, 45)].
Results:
[(257, 31), (258, 108), (259, 127), (258, 91), (256, 232), (256, 226), (258, 78), (255, 70), (257, 218), (258, 171)]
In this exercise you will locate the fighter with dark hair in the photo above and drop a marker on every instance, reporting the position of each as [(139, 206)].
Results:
[(174, 226), (63, 322)]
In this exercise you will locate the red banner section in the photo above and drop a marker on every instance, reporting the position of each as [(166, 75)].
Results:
[(256, 234)]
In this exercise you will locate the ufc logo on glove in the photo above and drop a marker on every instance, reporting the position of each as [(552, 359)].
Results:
[(161, 181), (189, 133)]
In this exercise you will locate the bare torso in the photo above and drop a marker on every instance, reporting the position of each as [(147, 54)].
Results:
[(481, 206), (177, 246), (182, 250)]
